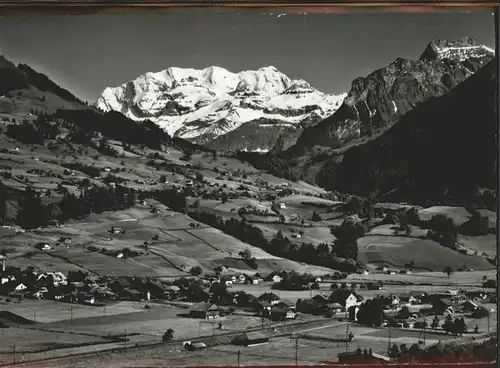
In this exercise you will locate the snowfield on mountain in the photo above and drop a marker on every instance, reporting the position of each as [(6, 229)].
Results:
[(201, 105)]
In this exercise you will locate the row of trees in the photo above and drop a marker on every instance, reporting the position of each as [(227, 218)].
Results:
[(280, 245), (483, 352), (113, 125), (3, 203), (455, 326), (34, 213), (294, 281)]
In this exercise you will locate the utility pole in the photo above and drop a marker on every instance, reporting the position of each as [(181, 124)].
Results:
[(346, 336), (1, 343), (296, 350), (488, 322), (14, 348), (71, 312), (389, 341), (239, 354)]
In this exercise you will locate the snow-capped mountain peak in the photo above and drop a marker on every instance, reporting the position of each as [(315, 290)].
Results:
[(458, 50), (202, 104)]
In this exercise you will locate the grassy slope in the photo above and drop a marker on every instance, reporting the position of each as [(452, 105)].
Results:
[(426, 254)]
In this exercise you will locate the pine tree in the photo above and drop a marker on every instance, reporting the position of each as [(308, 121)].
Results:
[(459, 326), (32, 213), (3, 202), (394, 351), (448, 325), (435, 323)]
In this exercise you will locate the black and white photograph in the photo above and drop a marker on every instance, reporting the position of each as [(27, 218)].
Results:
[(242, 186)]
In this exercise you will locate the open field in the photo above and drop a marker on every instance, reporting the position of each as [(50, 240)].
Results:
[(31, 340), (181, 247), (390, 231), (49, 311), (485, 243), (459, 215), (178, 248), (456, 279), (153, 322), (398, 252)]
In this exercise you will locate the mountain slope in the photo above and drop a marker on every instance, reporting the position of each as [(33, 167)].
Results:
[(445, 148), (23, 90), (202, 105), (378, 101)]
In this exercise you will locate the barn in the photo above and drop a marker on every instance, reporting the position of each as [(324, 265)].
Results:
[(250, 338), (204, 310)]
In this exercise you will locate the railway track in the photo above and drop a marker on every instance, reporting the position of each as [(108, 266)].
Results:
[(223, 338)]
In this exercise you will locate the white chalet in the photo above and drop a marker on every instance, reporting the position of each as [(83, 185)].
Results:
[(352, 300), (277, 278)]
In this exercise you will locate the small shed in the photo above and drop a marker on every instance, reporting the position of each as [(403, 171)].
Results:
[(250, 338), (204, 310)]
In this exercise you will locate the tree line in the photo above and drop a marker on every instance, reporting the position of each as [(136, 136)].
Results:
[(280, 245), (33, 212)]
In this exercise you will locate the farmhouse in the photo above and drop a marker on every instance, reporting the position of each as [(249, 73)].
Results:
[(254, 280), (251, 338), (279, 313), (57, 278), (172, 291), (269, 297), (277, 279), (116, 230), (353, 299), (345, 298), (131, 294), (319, 300), (476, 295), (268, 276), (241, 279), (263, 306), (40, 294), (20, 287), (334, 307), (204, 310), (469, 306), (394, 300), (285, 304), (441, 305), (408, 299)]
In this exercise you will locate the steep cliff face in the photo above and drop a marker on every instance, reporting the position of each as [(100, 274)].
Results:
[(444, 148), (379, 100)]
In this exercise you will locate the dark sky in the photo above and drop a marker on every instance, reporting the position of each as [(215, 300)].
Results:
[(86, 53)]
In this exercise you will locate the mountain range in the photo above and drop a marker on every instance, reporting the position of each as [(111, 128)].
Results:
[(224, 110), (372, 138), (379, 100), (436, 140)]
